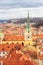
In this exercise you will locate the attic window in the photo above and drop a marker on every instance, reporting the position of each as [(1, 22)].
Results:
[(4, 39), (3, 49), (8, 46)]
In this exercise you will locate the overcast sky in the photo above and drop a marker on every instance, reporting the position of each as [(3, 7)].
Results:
[(10, 9), (20, 3)]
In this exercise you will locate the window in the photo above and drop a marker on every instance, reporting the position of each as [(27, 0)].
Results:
[(28, 37), (35, 42)]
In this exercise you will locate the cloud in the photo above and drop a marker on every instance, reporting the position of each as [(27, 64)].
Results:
[(19, 8), (36, 12), (13, 13), (21, 12), (20, 3)]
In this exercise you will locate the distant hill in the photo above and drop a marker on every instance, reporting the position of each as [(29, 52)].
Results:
[(1, 21), (38, 24), (21, 20)]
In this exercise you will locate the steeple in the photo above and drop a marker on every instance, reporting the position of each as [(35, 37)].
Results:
[(28, 22), (27, 32)]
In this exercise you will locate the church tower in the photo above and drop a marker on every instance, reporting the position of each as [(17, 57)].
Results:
[(28, 30)]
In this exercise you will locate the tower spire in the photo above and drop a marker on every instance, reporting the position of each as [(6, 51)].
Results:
[(28, 22)]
